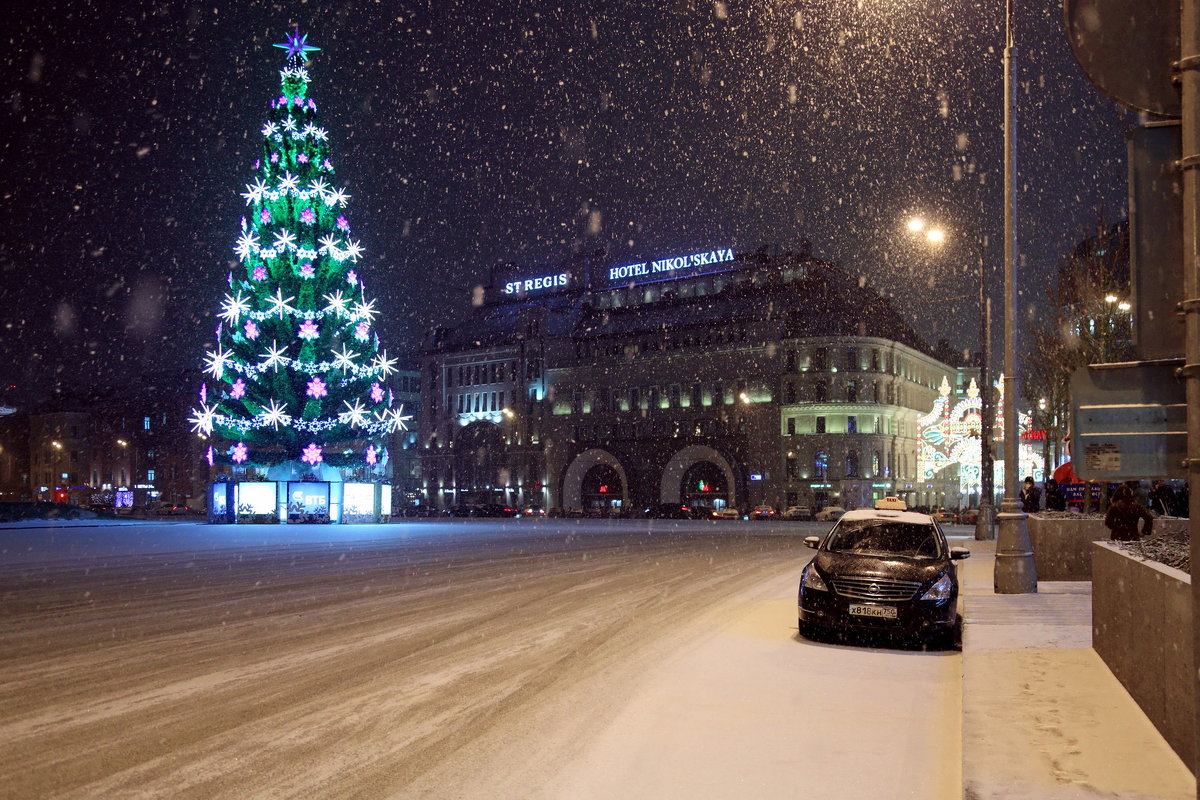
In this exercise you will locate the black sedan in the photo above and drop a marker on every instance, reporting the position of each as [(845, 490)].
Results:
[(882, 571)]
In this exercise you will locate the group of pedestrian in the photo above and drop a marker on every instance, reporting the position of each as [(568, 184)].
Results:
[(1123, 513)]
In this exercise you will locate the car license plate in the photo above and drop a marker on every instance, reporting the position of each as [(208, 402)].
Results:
[(883, 612)]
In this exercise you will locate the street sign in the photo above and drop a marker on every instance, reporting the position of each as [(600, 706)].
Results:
[(1128, 421), (1127, 47)]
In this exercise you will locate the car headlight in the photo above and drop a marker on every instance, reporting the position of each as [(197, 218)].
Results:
[(940, 590), (809, 579)]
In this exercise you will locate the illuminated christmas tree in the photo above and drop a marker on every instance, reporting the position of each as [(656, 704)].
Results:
[(297, 378)]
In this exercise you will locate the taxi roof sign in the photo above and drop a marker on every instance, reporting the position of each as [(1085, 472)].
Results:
[(890, 504)]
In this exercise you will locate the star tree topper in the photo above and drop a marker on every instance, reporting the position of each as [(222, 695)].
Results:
[(297, 45)]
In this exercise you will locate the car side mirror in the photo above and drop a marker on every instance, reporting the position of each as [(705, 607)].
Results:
[(959, 553), (812, 541)]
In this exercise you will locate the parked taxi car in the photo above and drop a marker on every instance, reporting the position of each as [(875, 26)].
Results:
[(882, 570)]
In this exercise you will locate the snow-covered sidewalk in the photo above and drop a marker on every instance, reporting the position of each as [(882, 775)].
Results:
[(755, 710), (1043, 717)]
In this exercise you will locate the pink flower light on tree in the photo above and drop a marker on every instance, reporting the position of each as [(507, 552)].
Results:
[(361, 330), (343, 223), (239, 453), (306, 270), (307, 216), (352, 277), (274, 158), (312, 455), (316, 387), (264, 216), (372, 458), (209, 456), (309, 330), (302, 158), (376, 393), (238, 390), (251, 329)]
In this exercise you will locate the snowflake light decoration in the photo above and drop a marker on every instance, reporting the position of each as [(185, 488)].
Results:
[(372, 458), (240, 454), (376, 392), (238, 390), (312, 454), (308, 330), (316, 387), (251, 329), (308, 216)]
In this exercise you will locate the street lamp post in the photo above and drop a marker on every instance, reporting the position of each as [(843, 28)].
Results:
[(1015, 572)]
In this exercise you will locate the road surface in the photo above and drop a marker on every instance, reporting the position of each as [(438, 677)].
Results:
[(568, 658)]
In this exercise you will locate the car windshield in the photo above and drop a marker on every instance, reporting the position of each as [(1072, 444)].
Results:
[(884, 538)]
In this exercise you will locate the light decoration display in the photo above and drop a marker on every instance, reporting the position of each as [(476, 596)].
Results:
[(948, 439), (297, 374)]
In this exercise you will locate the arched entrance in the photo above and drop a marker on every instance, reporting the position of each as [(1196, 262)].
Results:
[(680, 468), (587, 473), (602, 491), (704, 484)]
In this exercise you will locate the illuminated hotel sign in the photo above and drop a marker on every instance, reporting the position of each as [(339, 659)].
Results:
[(534, 284), (657, 268)]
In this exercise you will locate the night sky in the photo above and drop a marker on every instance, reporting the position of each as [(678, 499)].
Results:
[(472, 134)]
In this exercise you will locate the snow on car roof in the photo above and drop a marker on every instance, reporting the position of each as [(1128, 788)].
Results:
[(910, 517)]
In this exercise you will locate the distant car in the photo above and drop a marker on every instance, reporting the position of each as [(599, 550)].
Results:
[(763, 512), (969, 517), (830, 514), (946, 515), (726, 513), (533, 511), (882, 571), (496, 510), (668, 511), (461, 511), (797, 513)]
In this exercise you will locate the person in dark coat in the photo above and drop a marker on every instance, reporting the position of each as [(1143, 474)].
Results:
[(1054, 497), (1031, 497), (1123, 515), (1162, 499)]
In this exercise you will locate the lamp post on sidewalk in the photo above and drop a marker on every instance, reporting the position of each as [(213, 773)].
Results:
[(1015, 572), (984, 524)]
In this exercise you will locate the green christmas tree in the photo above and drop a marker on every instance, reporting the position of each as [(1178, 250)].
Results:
[(297, 376)]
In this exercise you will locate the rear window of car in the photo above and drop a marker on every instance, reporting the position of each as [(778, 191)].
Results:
[(885, 538)]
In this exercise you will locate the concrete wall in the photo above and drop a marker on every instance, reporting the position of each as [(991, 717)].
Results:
[(1142, 629), (1062, 547)]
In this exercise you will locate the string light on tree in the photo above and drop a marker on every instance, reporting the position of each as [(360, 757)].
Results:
[(287, 385)]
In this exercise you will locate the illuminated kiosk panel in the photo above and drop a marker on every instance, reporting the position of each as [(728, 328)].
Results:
[(308, 501), (256, 502), (358, 502), (219, 503), (385, 500)]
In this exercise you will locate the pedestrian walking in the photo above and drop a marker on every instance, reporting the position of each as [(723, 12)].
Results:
[(1123, 515), (1054, 497), (1162, 499), (1031, 497)]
